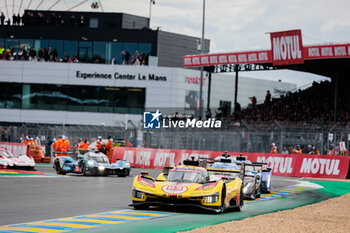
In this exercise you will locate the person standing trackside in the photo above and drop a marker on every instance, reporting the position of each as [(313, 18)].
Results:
[(331, 150), (84, 145), (65, 146), (109, 146), (99, 143), (298, 150), (273, 149), (268, 97)]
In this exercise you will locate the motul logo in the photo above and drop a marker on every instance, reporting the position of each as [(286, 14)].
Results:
[(281, 165), (320, 166), (287, 47)]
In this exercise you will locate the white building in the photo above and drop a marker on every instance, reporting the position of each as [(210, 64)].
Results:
[(92, 94)]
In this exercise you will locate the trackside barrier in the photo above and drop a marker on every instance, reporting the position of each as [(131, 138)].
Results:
[(294, 165), (15, 148)]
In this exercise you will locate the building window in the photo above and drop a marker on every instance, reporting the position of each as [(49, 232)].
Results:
[(70, 48), (93, 23), (99, 52), (72, 98), (11, 95)]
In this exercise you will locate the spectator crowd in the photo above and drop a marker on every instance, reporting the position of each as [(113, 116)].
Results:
[(51, 55), (313, 104), (41, 19)]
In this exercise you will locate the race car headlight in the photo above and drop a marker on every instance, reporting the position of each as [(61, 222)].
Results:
[(90, 162), (137, 194), (127, 165), (212, 198), (101, 168)]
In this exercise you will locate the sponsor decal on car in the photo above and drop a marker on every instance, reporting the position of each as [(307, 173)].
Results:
[(174, 189)]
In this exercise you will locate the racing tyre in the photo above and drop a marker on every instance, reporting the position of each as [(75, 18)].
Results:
[(58, 168), (83, 168), (223, 196), (241, 201), (124, 174), (258, 192)]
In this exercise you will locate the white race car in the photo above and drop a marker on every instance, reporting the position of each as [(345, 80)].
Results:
[(8, 160)]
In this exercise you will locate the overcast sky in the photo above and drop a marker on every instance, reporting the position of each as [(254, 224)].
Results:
[(233, 25)]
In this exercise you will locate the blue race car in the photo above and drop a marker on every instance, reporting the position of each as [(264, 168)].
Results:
[(91, 163)]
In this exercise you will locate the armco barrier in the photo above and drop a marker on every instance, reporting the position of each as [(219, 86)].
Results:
[(294, 165), (16, 148)]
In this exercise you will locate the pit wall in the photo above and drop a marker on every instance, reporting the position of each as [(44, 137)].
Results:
[(293, 165)]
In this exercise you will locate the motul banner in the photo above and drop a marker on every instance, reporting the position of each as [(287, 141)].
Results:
[(15, 148), (287, 47), (293, 165), (249, 57), (327, 51)]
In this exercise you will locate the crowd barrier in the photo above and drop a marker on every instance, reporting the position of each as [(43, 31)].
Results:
[(293, 165), (16, 148)]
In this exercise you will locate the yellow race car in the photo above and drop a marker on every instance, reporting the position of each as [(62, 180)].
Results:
[(189, 185)]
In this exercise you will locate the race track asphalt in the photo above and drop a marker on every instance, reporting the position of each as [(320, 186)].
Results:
[(26, 199)]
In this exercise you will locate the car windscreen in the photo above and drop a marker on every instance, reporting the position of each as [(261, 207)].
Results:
[(186, 176), (6, 154), (99, 159)]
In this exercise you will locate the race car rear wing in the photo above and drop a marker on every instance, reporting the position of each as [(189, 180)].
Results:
[(241, 172), (268, 169)]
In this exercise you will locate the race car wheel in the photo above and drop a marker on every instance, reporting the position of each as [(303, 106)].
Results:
[(83, 168), (253, 196), (125, 173), (223, 197), (258, 192), (58, 168), (241, 200)]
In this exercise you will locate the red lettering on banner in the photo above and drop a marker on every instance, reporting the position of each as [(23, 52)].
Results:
[(314, 52), (195, 61), (252, 57), (263, 57), (327, 52), (204, 60), (340, 51), (321, 166), (129, 156), (187, 61), (349, 50), (143, 158), (194, 80), (164, 159), (222, 59), (242, 58), (232, 58), (278, 165), (287, 47), (303, 165), (213, 59)]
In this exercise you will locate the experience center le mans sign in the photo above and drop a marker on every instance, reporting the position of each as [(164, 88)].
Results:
[(119, 76), (286, 49)]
